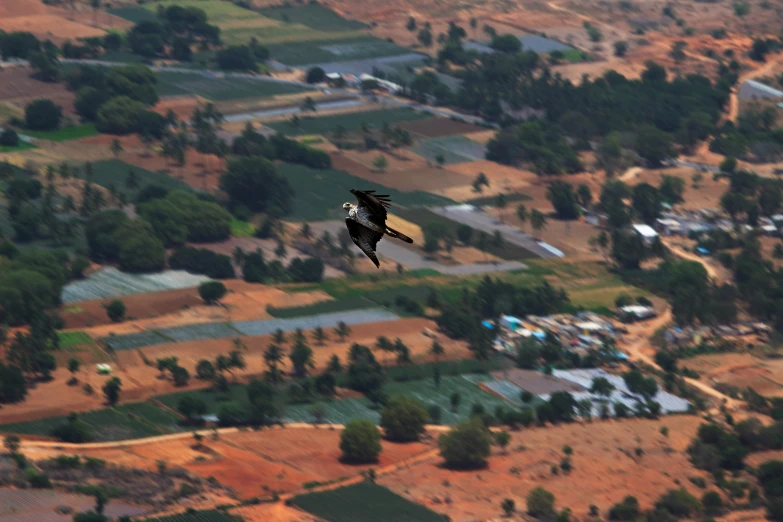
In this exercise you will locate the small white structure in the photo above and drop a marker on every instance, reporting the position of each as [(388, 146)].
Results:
[(648, 233), (103, 369), (637, 312), (669, 227), (769, 230)]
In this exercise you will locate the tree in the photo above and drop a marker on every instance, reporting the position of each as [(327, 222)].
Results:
[(100, 497), (601, 386), (360, 442), (403, 419), (502, 439), (712, 502), (425, 37), (410, 25), (653, 145), (342, 330), (42, 115), (205, 370), (540, 503), (466, 446), (315, 75), (212, 291), (319, 335), (647, 202), (111, 390), (12, 443), (309, 105), (256, 184), (380, 163), (563, 198), (508, 506), (436, 350), (191, 407), (73, 366), (301, 359), (672, 189), (537, 220), (440, 160), (620, 48), (9, 138), (116, 147), (115, 310)]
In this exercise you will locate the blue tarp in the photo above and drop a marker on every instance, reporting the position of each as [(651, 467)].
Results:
[(701, 250), (539, 335), (487, 324)]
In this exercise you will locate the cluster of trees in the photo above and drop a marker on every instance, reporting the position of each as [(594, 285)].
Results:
[(202, 261), (532, 354), (113, 237), (537, 143), (256, 269), (30, 283), (242, 57), (755, 137), (750, 196), (252, 143), (182, 217), (116, 99), (92, 47), (174, 33), (254, 183)]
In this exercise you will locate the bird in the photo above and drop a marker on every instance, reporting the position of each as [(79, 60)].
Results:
[(366, 222)]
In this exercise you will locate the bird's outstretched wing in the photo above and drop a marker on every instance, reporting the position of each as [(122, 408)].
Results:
[(364, 238), (376, 203)]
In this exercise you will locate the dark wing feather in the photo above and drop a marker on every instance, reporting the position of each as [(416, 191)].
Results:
[(377, 203), (364, 238)]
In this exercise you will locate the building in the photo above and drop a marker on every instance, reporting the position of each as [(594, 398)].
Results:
[(669, 227), (636, 313), (647, 233)]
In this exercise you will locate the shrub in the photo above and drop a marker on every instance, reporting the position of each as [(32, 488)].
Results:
[(540, 503), (9, 138), (212, 291), (360, 442), (712, 502), (115, 310), (626, 510), (42, 115), (466, 446)]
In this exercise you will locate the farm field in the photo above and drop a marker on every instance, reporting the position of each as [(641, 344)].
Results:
[(64, 134), (81, 346), (327, 51), (605, 469), (41, 506), (23, 145), (134, 14), (452, 149), (741, 370), (18, 88), (203, 331), (211, 515), (312, 15), (352, 121), (115, 172), (439, 127), (353, 503), (317, 191), (111, 282), (220, 89), (129, 421)]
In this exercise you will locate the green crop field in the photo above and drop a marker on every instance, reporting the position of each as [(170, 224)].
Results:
[(220, 89), (241, 228), (129, 421), (115, 172), (134, 14), (75, 343), (64, 134), (314, 16), (317, 190), (332, 50), (198, 516), (69, 339), (425, 218), (356, 503), (323, 307), (351, 122), (23, 145)]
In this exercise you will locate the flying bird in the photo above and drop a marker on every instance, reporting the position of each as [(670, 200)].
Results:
[(366, 222)]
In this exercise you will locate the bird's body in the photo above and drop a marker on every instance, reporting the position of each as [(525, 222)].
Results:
[(366, 222)]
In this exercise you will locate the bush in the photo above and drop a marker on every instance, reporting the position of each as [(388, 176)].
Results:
[(212, 291), (712, 502), (466, 446), (403, 419), (315, 75), (679, 503), (9, 138), (626, 510), (42, 115), (540, 503), (360, 442), (115, 310), (202, 261)]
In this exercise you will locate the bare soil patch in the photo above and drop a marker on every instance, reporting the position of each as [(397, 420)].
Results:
[(409, 177), (605, 469), (18, 88), (56, 23), (742, 370)]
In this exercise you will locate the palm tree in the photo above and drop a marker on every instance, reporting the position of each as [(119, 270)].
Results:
[(319, 335), (273, 357), (500, 204), (436, 350), (279, 336), (116, 147), (222, 364), (306, 231), (537, 220), (384, 344), (522, 215), (238, 255), (403, 353), (299, 336), (342, 330), (236, 360), (239, 344)]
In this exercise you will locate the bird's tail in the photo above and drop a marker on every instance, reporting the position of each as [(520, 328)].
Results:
[(397, 235)]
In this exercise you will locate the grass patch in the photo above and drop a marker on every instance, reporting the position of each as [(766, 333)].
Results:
[(115, 172), (312, 15), (129, 421), (353, 503), (574, 55), (318, 190), (64, 134), (241, 228), (324, 51), (352, 121), (69, 339), (220, 89), (210, 515), (134, 14), (426, 218), (490, 201), (122, 57), (23, 145), (323, 307)]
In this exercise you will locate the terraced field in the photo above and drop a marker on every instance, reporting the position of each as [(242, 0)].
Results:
[(220, 89)]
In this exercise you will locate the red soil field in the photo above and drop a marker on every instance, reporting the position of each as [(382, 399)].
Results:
[(19, 88), (55, 23), (437, 127), (605, 469)]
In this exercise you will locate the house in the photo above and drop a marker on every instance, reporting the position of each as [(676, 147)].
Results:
[(769, 230), (637, 312), (647, 233), (669, 227)]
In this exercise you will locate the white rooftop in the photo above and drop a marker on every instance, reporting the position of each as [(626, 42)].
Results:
[(645, 230)]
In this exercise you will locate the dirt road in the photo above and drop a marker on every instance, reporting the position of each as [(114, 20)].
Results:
[(755, 73), (717, 274)]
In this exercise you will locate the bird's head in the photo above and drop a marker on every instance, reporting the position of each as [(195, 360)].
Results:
[(347, 206)]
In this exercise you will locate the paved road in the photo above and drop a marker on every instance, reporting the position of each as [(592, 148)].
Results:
[(698, 166), (415, 261), (483, 221)]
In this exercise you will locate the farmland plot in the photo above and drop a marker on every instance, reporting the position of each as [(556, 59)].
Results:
[(352, 121), (197, 332), (198, 516), (134, 14), (308, 323), (216, 89), (325, 51), (111, 282), (314, 16), (133, 341), (453, 149), (353, 503), (21, 505)]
